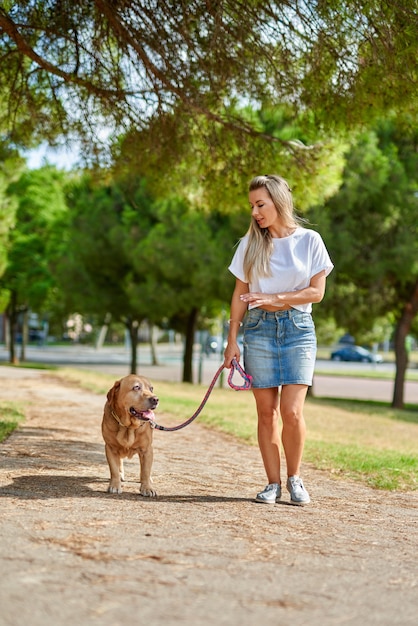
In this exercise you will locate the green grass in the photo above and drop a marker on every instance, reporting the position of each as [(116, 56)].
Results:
[(30, 365), (381, 469), (10, 417), (375, 407), (374, 373)]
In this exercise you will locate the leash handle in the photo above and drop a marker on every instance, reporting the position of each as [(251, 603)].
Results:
[(235, 367)]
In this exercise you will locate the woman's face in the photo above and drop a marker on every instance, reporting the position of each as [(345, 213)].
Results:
[(263, 209)]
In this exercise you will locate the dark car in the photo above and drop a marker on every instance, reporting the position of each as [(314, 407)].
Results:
[(355, 353), (34, 335)]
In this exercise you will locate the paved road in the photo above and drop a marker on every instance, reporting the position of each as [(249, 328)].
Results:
[(116, 361), (362, 389)]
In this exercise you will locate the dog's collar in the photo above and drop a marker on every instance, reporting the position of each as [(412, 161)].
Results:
[(117, 419)]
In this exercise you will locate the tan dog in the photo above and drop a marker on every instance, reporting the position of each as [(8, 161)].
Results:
[(126, 430)]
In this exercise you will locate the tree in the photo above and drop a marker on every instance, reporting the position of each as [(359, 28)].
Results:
[(138, 258), (95, 263), (115, 63), (27, 277), (371, 229), (185, 256)]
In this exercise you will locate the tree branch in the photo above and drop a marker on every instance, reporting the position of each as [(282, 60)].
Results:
[(10, 28)]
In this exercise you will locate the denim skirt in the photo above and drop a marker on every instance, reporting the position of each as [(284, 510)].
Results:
[(279, 347)]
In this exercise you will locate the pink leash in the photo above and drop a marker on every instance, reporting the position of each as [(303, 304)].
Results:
[(235, 367)]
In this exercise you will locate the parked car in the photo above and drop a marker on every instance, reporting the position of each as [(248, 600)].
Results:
[(355, 353), (34, 335)]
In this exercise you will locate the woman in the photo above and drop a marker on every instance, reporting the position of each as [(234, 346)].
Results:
[(280, 269)]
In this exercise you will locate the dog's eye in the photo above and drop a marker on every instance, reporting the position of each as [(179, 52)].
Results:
[(137, 388), (151, 388)]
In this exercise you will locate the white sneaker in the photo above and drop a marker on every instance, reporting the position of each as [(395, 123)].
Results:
[(298, 493), (270, 494)]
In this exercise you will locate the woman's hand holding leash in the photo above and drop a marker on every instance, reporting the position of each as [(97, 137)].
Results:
[(232, 352)]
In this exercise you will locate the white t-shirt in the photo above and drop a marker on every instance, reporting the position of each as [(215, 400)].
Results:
[(294, 261)]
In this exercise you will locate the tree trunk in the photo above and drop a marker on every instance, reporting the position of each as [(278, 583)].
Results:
[(154, 358), (25, 335), (188, 347), (403, 327), (401, 358), (12, 315), (132, 326), (6, 330)]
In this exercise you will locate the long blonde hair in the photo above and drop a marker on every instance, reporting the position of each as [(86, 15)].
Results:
[(260, 243)]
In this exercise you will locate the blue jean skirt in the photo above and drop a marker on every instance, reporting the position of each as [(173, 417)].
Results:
[(279, 347)]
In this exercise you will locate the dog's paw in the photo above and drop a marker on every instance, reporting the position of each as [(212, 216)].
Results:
[(114, 489), (148, 492)]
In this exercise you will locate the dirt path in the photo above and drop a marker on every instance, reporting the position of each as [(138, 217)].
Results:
[(202, 553)]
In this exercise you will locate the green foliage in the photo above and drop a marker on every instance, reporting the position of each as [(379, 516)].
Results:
[(88, 265), (211, 166), (183, 262), (132, 256), (381, 330), (81, 66), (371, 230), (10, 164), (40, 203), (327, 332), (30, 111)]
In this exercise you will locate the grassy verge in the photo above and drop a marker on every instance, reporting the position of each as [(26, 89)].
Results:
[(375, 373), (365, 441), (30, 365), (10, 417)]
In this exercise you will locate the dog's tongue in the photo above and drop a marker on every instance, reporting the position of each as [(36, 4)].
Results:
[(142, 415), (147, 415)]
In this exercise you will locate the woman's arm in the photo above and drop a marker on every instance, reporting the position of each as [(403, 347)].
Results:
[(313, 293), (238, 310)]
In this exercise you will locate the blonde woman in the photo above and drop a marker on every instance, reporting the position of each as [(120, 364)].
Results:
[(280, 269)]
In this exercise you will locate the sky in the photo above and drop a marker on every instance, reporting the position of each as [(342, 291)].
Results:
[(63, 158)]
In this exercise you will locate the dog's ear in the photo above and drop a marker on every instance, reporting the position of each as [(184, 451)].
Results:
[(112, 393)]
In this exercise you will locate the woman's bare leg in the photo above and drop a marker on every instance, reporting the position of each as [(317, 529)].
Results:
[(292, 400), (267, 401)]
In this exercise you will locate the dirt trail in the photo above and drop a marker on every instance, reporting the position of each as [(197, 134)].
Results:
[(202, 553)]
